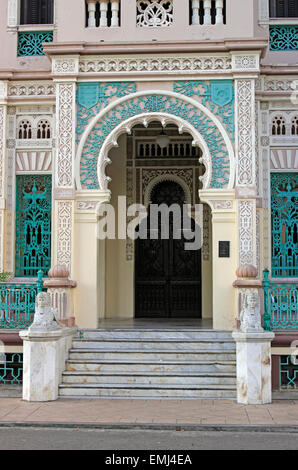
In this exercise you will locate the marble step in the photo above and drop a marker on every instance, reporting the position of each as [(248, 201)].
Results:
[(153, 344), (155, 334), (147, 391), (155, 355), (149, 378), (111, 366)]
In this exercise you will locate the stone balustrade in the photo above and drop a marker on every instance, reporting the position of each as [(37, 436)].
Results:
[(103, 13), (207, 12), (106, 13)]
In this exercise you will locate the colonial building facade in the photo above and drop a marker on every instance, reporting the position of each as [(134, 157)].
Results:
[(151, 101)]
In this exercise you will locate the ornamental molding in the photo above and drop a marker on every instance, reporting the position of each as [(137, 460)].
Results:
[(247, 232), (31, 89), (2, 147), (245, 132), (64, 233), (65, 134), (87, 205), (154, 13), (222, 205), (68, 65), (152, 177), (284, 159), (245, 62), (143, 107), (33, 162), (276, 84), (153, 64)]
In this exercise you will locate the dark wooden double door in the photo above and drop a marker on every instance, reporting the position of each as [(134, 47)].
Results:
[(167, 276)]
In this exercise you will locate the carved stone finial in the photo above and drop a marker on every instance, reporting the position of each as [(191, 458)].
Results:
[(59, 272), (45, 317), (247, 271)]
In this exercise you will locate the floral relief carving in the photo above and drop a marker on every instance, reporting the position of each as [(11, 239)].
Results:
[(154, 13), (65, 134), (64, 233), (153, 64), (245, 135), (246, 233)]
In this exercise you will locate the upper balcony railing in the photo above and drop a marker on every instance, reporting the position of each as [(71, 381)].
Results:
[(154, 13)]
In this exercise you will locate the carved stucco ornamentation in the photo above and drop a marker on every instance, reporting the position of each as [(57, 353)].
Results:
[(86, 205), (31, 89), (65, 134), (247, 234), (222, 205), (245, 133), (64, 233), (2, 147), (152, 64)]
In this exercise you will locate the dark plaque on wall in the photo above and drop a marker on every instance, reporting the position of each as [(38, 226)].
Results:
[(224, 249)]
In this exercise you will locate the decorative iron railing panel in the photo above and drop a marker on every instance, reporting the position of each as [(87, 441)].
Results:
[(33, 224), (17, 303), (30, 43), (11, 368), (284, 224), (284, 38), (288, 372), (280, 305)]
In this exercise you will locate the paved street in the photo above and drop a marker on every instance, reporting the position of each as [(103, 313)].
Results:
[(65, 439)]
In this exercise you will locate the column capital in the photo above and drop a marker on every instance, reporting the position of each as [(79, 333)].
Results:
[(65, 67)]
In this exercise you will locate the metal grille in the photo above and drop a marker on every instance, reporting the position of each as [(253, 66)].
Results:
[(288, 372), (11, 368), (33, 224), (284, 224)]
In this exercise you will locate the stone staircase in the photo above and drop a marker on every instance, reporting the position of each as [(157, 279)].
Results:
[(151, 363)]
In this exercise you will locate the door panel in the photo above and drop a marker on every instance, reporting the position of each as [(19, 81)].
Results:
[(167, 277)]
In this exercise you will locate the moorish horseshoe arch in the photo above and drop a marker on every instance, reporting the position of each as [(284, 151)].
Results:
[(120, 116)]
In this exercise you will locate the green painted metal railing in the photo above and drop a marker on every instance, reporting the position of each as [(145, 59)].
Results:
[(17, 303), (11, 368), (280, 305)]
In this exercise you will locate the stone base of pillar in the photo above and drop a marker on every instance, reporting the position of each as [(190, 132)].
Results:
[(253, 367), (45, 353)]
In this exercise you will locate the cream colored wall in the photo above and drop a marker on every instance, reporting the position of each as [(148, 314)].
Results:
[(119, 272), (207, 279)]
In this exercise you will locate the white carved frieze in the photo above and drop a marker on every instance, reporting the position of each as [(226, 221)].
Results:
[(34, 161)]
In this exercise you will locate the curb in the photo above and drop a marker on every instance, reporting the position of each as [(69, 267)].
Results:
[(155, 427)]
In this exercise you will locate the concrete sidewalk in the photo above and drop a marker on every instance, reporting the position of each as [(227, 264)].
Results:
[(148, 412)]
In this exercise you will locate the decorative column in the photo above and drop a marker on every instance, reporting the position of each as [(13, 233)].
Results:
[(252, 342), (207, 11), (115, 13), (65, 70), (219, 12), (60, 287), (91, 13), (224, 254), (103, 13), (246, 69), (90, 259), (195, 19), (3, 164), (45, 350)]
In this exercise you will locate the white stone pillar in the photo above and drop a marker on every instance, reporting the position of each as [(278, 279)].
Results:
[(253, 367), (45, 349), (65, 71), (103, 13), (195, 12), (91, 13), (3, 166), (115, 13), (219, 12), (207, 11)]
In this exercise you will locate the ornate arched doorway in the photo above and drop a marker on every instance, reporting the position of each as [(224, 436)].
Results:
[(167, 275)]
